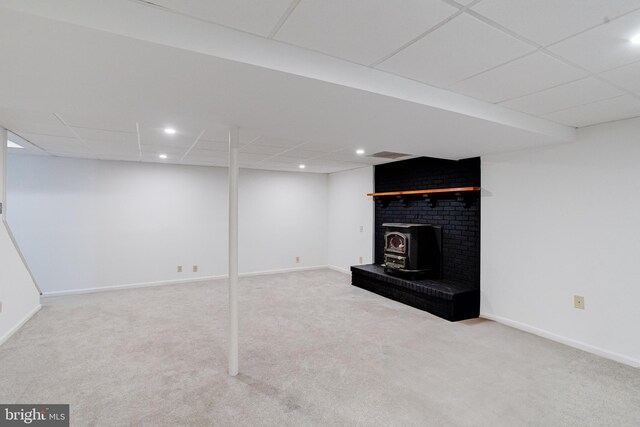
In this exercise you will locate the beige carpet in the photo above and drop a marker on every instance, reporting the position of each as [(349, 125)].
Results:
[(313, 351)]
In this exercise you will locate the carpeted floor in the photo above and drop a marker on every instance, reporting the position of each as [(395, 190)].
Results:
[(314, 351)]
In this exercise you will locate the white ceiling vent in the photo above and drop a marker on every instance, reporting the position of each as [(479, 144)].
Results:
[(389, 155)]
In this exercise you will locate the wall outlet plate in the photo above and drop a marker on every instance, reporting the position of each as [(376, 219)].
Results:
[(297, 260), (194, 268), (179, 269), (578, 302)]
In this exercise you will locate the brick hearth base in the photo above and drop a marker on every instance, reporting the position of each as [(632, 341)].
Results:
[(444, 298)]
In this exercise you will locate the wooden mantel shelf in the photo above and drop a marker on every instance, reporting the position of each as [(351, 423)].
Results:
[(433, 190)]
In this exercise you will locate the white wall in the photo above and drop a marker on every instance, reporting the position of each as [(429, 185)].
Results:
[(564, 221), (90, 224), (19, 297), (282, 215), (350, 209)]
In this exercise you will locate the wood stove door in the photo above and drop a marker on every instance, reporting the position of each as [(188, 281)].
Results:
[(396, 242)]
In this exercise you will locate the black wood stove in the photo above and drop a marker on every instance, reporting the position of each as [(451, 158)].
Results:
[(412, 249)]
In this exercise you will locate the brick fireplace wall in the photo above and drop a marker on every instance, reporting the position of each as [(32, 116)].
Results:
[(460, 223)]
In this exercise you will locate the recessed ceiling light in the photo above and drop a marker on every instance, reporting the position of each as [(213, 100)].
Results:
[(635, 39), (169, 131), (360, 151), (302, 166), (11, 144), (162, 156)]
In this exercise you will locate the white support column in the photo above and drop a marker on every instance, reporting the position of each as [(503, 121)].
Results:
[(3, 171), (233, 250)]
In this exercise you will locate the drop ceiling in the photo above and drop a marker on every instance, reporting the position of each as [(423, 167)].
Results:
[(310, 81)]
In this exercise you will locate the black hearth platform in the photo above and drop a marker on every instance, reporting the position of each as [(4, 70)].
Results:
[(444, 298)]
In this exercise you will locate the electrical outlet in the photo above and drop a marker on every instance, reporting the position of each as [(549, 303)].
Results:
[(179, 269), (578, 302), (360, 260), (297, 260), (361, 228), (194, 268)]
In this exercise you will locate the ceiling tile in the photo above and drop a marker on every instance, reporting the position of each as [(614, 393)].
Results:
[(276, 142), (325, 147), (113, 147), (163, 147), (262, 149), (279, 164), (217, 133), (23, 121), (330, 166), (157, 136), (523, 76), (325, 160), (604, 47), (254, 16), (619, 108), (457, 50), (252, 158), (203, 161), (206, 144), (298, 153), (107, 135), (371, 160), (283, 159), (362, 31), (548, 21), (627, 77), (10, 115), (173, 152), (114, 122), (565, 96), (246, 137), (56, 143), (204, 153), (350, 156), (38, 129)]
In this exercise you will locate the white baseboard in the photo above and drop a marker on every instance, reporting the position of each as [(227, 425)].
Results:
[(283, 270), (564, 340), (338, 269), (173, 282), (18, 325), (128, 286)]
